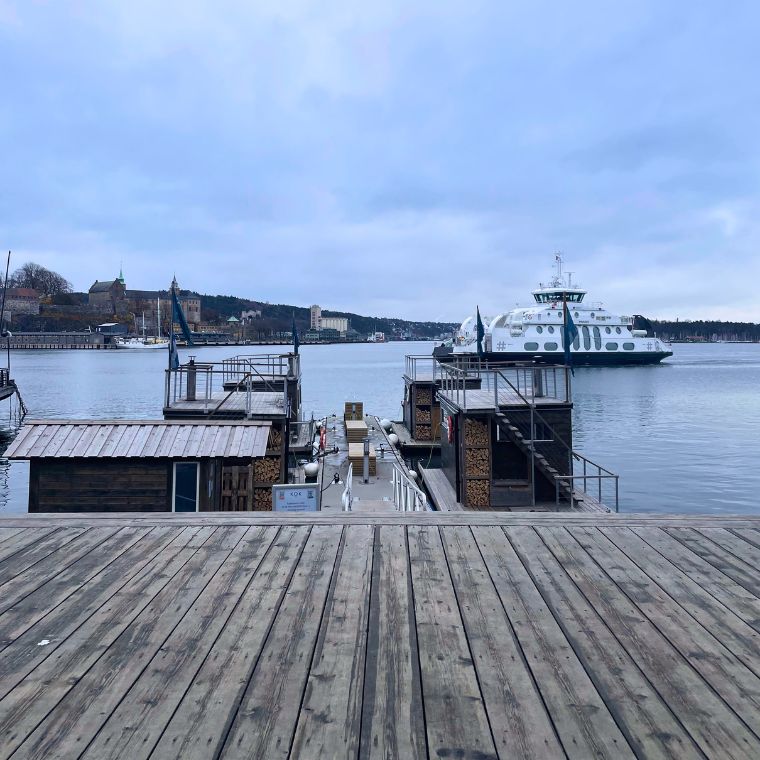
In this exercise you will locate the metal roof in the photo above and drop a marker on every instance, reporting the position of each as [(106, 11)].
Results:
[(139, 439)]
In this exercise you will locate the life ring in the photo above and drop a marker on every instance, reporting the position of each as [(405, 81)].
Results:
[(451, 429)]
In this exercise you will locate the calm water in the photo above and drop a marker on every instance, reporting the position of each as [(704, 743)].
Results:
[(684, 436)]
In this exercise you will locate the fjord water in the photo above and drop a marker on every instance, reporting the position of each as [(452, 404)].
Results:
[(684, 435)]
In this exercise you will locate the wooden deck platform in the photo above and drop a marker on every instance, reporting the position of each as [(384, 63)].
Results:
[(263, 405), (453, 635)]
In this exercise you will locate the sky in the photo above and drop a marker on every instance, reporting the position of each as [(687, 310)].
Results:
[(389, 158)]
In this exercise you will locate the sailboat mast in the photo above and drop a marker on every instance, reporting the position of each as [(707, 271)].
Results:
[(158, 316)]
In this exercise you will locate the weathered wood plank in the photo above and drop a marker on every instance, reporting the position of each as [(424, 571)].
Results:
[(694, 596), (26, 538), (392, 712), (35, 698), (725, 561), (744, 550), (702, 648), (114, 562), (713, 726), (736, 597), (268, 712), (21, 561), (644, 718), (200, 724), (582, 720), (330, 721), (6, 533), (520, 723), (136, 725), (455, 716), (55, 564)]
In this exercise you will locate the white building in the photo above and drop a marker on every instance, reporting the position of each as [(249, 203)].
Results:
[(318, 322)]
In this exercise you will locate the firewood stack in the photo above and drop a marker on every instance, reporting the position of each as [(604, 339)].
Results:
[(266, 470), (262, 499)]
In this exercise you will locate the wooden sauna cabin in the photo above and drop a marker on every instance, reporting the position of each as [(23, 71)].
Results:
[(149, 465)]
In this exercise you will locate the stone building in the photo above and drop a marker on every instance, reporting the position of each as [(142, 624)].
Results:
[(21, 301), (107, 296)]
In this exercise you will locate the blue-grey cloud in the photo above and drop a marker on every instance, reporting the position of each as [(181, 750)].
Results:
[(431, 155)]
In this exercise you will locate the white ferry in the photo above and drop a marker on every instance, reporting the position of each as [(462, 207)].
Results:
[(535, 333)]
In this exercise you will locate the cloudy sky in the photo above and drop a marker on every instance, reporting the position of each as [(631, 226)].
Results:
[(392, 158)]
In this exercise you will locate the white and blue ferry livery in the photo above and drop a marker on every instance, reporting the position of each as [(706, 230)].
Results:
[(535, 332)]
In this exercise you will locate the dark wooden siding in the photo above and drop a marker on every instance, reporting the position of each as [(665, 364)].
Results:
[(100, 485)]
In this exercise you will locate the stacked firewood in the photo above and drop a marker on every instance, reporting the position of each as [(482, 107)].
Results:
[(478, 494), (475, 433), (266, 470), (424, 396), (262, 499), (477, 463), (423, 416), (275, 439), (423, 433)]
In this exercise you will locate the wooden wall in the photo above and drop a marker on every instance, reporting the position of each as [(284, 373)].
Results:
[(99, 485)]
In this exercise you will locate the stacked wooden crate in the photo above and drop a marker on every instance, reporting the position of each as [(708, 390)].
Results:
[(356, 431), (477, 463), (354, 410), (356, 458), (426, 411), (269, 470)]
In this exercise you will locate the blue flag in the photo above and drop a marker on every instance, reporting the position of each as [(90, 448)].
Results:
[(179, 316), (480, 331), (296, 342), (173, 353), (570, 334)]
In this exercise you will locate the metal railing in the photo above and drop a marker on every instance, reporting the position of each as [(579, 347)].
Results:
[(604, 485), (209, 386), (347, 498), (267, 367), (506, 384), (407, 497)]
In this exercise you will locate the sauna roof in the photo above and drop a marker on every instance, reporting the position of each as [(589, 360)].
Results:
[(139, 439)]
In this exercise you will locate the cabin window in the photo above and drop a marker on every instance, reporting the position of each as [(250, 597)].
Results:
[(577, 341), (185, 492), (539, 329), (550, 328), (611, 346), (586, 338), (628, 346), (542, 432), (617, 330), (550, 346), (531, 346), (597, 339), (608, 330)]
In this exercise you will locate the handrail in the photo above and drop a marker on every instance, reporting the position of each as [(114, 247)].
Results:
[(347, 497), (406, 495)]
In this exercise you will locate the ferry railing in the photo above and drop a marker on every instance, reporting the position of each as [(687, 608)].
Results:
[(407, 497)]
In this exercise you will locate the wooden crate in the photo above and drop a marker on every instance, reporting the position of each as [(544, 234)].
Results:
[(356, 457), (356, 431), (354, 410)]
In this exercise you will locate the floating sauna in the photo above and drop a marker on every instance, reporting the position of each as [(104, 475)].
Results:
[(150, 466)]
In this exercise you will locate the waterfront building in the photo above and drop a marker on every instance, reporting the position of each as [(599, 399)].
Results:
[(21, 301), (107, 296), (318, 322)]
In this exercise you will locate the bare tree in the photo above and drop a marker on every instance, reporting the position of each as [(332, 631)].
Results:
[(44, 281)]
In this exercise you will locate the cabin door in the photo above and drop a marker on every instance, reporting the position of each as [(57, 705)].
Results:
[(237, 494), (185, 495)]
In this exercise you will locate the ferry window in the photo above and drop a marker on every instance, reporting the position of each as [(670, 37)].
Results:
[(550, 346), (608, 330), (551, 328), (592, 315), (597, 339), (628, 346), (531, 346), (577, 342), (617, 330), (539, 329), (586, 338), (611, 346)]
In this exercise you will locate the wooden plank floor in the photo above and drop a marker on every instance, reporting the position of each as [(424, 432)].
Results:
[(403, 636)]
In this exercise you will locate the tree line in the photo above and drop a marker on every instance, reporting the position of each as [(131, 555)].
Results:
[(44, 281)]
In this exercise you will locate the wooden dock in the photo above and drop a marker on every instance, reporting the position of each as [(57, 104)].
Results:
[(457, 635)]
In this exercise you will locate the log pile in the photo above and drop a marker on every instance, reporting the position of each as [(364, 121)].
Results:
[(275, 439), (476, 433), (477, 463), (266, 470), (356, 431), (353, 410), (262, 499), (356, 457), (422, 416), (478, 494), (424, 395), (423, 433)]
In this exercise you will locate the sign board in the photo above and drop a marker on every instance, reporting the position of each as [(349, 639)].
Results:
[(295, 497)]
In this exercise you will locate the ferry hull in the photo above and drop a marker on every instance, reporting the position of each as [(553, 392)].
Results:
[(580, 358)]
